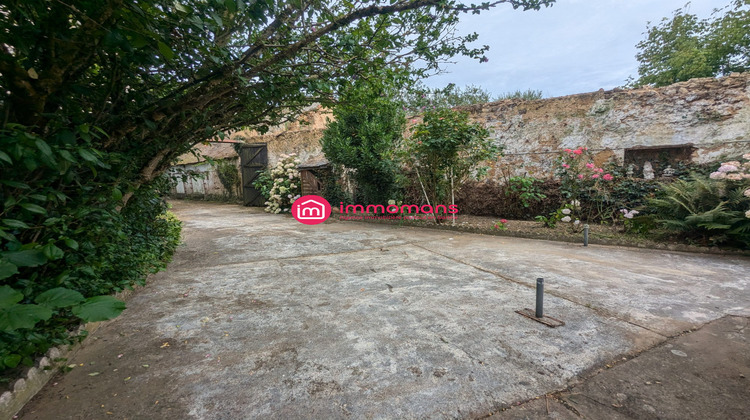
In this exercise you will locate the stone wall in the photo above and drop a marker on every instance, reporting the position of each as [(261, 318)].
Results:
[(301, 137), (701, 120)]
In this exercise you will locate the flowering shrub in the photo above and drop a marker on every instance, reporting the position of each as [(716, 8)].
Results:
[(286, 187), (734, 170), (583, 181), (568, 213), (501, 225)]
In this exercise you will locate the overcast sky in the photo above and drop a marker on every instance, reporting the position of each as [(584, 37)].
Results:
[(572, 47)]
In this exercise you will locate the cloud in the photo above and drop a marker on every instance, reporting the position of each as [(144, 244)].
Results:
[(575, 46)]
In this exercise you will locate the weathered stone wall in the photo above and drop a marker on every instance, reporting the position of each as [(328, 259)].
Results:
[(711, 115), (301, 137)]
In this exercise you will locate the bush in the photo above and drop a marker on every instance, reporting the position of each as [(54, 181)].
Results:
[(363, 136), (286, 185), (709, 211), (487, 198), (446, 150), (66, 243)]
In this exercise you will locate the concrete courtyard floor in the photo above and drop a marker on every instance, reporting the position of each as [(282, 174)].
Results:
[(259, 316)]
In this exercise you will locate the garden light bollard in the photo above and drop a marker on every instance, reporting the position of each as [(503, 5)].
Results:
[(539, 298), (586, 235)]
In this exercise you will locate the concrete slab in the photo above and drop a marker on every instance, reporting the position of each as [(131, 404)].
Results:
[(701, 375), (259, 316)]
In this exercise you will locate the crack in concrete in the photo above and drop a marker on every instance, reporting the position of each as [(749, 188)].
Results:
[(599, 311)]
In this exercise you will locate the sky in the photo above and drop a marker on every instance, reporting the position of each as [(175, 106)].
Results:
[(575, 46)]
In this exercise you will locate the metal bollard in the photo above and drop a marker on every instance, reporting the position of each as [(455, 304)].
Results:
[(540, 298), (586, 235)]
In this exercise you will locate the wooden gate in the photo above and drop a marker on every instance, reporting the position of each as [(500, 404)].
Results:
[(253, 160)]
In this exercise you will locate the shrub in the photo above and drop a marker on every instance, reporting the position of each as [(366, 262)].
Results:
[(287, 185), (66, 242), (363, 137), (713, 210), (445, 150), (229, 175)]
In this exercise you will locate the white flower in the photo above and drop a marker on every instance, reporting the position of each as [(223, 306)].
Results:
[(746, 156), (747, 214), (566, 219), (729, 167), (734, 177), (717, 175), (292, 185), (575, 203), (566, 211), (577, 222), (746, 193)]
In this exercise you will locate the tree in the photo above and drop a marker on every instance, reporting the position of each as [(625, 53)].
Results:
[(99, 97), (158, 76), (685, 47), (366, 130), (444, 150), (419, 97)]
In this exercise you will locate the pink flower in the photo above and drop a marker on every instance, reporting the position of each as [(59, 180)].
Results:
[(503, 221), (590, 165), (578, 151), (566, 166), (595, 176), (580, 176), (608, 177), (568, 151)]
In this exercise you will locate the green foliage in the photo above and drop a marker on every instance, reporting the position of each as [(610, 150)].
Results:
[(229, 175), (685, 47), (64, 238), (568, 213), (706, 210), (446, 149), (366, 130), (526, 188), (98, 98), (525, 95), (286, 185), (263, 183), (419, 97)]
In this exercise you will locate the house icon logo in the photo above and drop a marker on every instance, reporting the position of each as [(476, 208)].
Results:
[(311, 209)]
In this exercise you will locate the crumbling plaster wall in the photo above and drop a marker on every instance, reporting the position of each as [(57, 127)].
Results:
[(711, 114)]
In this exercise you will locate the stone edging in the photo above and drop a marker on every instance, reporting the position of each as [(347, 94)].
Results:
[(33, 379)]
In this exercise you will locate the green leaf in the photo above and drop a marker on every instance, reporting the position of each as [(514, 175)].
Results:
[(59, 297), (230, 5), (34, 208), (4, 157), (71, 244), (15, 224), (43, 147), (25, 258), (9, 296), (12, 360), (87, 155), (99, 308), (116, 194), (52, 252), (165, 51), (7, 269), (22, 316)]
